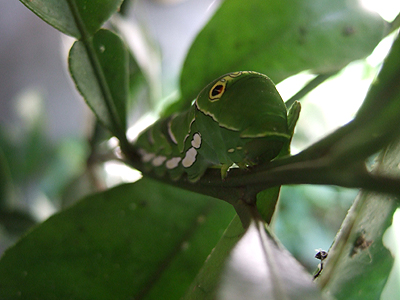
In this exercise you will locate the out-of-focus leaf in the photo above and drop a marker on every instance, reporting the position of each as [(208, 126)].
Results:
[(373, 125), (358, 263), (68, 162), (5, 179), (384, 87), (308, 217), (280, 39), (259, 268), (139, 92), (205, 285), (145, 62), (266, 202), (15, 222), (287, 271), (143, 240), (100, 71), (72, 17)]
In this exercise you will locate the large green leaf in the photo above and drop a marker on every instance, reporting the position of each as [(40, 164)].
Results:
[(260, 268), (144, 240), (279, 38), (359, 264), (100, 69), (251, 265), (205, 285), (73, 17), (6, 182), (379, 114), (372, 128), (385, 88)]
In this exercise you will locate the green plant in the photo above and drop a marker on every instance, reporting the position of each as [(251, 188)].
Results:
[(145, 240)]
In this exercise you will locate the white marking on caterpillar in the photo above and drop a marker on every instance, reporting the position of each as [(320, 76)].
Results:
[(190, 129), (239, 148), (158, 160), (236, 74), (190, 158), (173, 162), (142, 152), (196, 142), (171, 135), (231, 150), (146, 157)]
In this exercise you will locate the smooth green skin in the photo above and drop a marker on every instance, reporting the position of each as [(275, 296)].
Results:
[(240, 117), (250, 104)]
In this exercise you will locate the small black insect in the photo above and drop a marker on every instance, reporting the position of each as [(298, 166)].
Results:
[(321, 255)]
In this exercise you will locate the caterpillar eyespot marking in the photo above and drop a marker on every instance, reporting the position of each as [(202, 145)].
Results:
[(217, 90), (237, 119)]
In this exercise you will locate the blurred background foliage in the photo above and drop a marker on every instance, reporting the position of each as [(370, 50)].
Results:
[(51, 151)]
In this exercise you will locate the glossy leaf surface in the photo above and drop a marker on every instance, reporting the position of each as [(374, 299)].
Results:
[(260, 268), (280, 39), (250, 264), (142, 240), (100, 70), (206, 283), (73, 17)]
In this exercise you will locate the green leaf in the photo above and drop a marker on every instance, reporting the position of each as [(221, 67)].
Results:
[(383, 89), (358, 264), (6, 181), (282, 274), (206, 282), (372, 128), (260, 268), (279, 39), (100, 69), (143, 240), (266, 202), (139, 91), (205, 285), (75, 18), (15, 222)]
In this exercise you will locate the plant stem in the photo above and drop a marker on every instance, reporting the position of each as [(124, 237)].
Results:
[(315, 82)]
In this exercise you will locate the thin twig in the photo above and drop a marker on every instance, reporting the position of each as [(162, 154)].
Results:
[(312, 84)]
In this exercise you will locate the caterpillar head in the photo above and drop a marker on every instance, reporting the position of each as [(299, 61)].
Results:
[(247, 102)]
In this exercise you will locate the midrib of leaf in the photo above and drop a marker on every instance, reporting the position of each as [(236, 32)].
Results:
[(277, 284), (170, 257), (87, 40)]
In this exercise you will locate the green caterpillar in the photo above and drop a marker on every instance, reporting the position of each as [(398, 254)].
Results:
[(238, 118)]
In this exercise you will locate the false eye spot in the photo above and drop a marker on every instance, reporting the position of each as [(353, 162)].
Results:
[(217, 90)]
